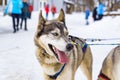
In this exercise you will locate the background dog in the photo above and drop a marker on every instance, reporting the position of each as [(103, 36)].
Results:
[(60, 54), (111, 66)]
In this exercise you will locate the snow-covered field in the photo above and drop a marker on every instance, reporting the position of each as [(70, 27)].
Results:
[(17, 51)]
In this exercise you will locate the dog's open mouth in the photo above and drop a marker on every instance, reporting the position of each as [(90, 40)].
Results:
[(60, 55)]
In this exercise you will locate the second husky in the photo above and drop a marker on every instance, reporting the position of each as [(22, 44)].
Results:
[(111, 66)]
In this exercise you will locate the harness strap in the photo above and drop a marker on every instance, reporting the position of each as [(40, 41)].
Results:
[(103, 76), (58, 73), (84, 46)]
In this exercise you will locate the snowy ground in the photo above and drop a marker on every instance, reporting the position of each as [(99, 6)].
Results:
[(17, 51)]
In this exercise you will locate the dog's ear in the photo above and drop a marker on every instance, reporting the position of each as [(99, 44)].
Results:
[(41, 21), (61, 16)]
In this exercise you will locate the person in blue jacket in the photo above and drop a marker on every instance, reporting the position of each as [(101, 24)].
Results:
[(100, 11), (15, 6), (87, 14)]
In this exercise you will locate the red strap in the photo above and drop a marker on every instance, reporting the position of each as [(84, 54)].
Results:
[(103, 76)]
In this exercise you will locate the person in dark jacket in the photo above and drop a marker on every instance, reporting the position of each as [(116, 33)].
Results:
[(94, 14), (24, 15), (30, 9)]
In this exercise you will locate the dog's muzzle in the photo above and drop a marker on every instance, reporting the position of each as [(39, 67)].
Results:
[(61, 55)]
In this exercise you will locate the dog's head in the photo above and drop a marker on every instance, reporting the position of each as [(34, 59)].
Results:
[(52, 35)]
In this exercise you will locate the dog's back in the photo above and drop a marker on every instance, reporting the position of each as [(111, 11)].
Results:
[(116, 64)]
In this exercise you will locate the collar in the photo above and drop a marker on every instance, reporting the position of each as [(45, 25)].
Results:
[(58, 73), (103, 76)]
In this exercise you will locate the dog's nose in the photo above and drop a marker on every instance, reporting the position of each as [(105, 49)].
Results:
[(69, 47)]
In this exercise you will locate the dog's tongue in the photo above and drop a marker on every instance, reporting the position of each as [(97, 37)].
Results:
[(62, 57)]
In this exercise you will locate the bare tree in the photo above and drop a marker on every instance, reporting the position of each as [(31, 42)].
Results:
[(81, 4), (90, 4)]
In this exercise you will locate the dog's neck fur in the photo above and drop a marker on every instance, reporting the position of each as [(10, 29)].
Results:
[(46, 60), (44, 55)]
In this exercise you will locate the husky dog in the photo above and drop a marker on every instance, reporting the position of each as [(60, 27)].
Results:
[(111, 66), (58, 53)]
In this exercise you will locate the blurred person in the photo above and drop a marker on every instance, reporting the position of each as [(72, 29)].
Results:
[(94, 14), (87, 14), (47, 10), (53, 10), (100, 11), (8, 8), (30, 9), (15, 7), (25, 14)]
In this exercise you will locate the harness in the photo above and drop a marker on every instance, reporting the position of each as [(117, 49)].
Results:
[(103, 76), (83, 45), (58, 73)]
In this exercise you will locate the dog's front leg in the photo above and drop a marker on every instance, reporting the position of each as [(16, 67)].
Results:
[(86, 64)]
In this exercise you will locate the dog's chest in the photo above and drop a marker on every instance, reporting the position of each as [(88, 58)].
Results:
[(65, 75), (69, 70)]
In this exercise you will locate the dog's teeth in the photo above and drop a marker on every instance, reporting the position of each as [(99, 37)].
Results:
[(53, 48), (66, 54)]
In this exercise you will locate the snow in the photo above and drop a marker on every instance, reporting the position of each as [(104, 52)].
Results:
[(17, 51)]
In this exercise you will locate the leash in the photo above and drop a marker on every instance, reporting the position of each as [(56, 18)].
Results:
[(106, 44), (85, 44), (94, 39)]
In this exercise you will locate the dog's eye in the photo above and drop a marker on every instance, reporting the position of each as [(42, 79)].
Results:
[(55, 34)]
